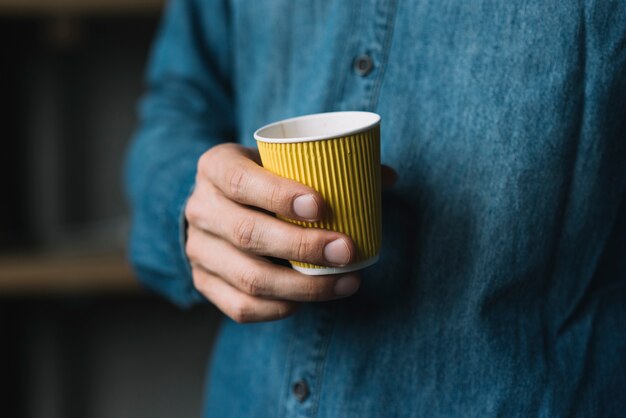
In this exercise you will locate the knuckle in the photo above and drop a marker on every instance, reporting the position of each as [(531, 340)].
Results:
[(192, 210), (305, 247), (284, 310), (210, 162), (313, 290), (198, 281), (237, 181), (242, 312), (252, 282), (199, 207), (277, 199), (204, 162), (245, 233), (190, 250)]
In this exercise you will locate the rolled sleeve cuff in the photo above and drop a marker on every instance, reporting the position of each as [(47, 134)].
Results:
[(157, 242)]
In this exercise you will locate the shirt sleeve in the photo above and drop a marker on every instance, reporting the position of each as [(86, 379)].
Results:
[(187, 108)]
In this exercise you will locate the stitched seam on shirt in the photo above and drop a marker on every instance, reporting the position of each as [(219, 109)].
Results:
[(339, 86), (328, 325), (285, 393), (387, 40)]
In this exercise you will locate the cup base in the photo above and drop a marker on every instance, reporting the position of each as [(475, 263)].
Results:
[(337, 270)]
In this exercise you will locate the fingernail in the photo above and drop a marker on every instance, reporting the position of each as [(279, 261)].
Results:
[(347, 285), (305, 207), (337, 252)]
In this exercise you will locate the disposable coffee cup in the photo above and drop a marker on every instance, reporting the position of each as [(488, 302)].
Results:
[(338, 155)]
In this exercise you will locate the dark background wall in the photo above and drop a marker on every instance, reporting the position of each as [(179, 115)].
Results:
[(69, 93), (78, 337), (102, 357)]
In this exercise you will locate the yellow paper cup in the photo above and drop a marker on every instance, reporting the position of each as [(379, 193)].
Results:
[(337, 154)]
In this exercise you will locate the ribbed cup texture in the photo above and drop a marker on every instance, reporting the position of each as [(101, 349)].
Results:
[(346, 172)]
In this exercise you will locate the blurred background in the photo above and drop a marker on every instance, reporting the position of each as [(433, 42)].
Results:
[(78, 337)]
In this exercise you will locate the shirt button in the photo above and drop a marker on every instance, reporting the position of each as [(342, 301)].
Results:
[(300, 390), (363, 65)]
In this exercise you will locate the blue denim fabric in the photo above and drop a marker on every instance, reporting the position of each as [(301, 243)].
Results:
[(501, 289)]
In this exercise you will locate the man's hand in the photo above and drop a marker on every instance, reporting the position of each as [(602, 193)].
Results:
[(230, 231)]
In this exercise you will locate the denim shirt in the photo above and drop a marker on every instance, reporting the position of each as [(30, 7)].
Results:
[(501, 288)]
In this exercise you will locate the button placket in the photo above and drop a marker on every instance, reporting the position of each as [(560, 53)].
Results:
[(369, 57), (306, 358)]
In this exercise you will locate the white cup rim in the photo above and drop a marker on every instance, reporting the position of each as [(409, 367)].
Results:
[(317, 127)]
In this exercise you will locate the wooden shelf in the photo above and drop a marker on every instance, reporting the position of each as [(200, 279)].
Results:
[(66, 275), (79, 7)]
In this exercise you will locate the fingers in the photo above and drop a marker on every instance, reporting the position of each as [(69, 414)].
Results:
[(227, 235), (258, 233), (235, 170), (237, 305), (257, 277), (232, 169)]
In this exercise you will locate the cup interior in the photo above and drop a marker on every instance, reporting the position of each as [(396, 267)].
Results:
[(317, 127)]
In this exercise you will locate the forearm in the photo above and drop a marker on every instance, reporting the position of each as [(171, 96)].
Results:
[(187, 109), (160, 174)]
